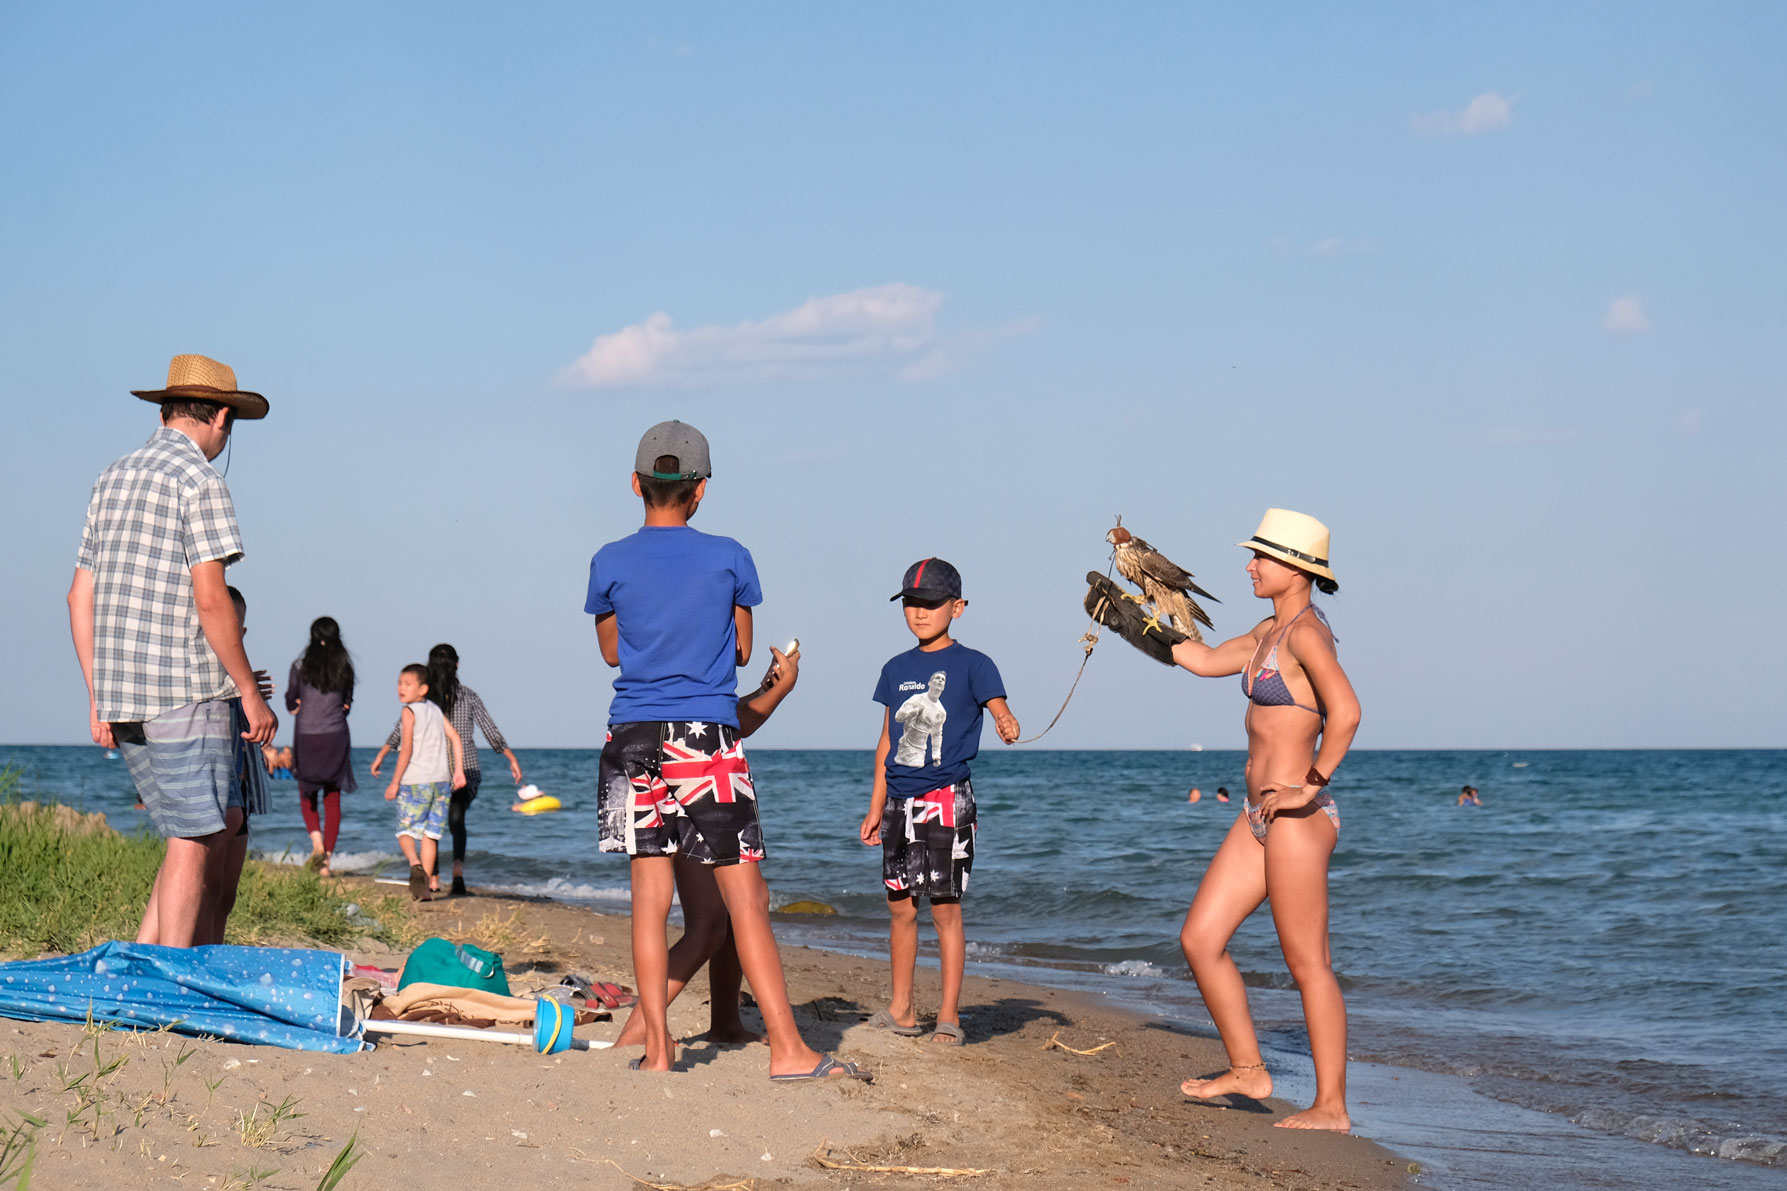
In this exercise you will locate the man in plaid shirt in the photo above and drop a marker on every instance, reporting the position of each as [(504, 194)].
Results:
[(159, 639)]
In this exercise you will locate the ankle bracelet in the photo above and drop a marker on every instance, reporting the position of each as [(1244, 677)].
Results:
[(1247, 1066)]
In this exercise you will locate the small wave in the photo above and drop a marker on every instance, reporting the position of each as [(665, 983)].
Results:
[(984, 950), (365, 862), (341, 862), (564, 889), (1685, 1133), (1139, 969)]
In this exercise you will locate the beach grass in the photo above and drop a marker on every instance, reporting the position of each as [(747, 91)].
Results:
[(68, 882)]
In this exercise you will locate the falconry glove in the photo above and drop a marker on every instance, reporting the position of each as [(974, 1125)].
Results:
[(1118, 611)]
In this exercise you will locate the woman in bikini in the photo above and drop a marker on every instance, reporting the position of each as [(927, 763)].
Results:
[(1301, 717)]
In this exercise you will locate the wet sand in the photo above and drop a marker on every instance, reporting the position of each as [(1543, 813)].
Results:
[(485, 1116)]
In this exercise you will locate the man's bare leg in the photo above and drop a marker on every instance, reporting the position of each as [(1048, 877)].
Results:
[(180, 901)]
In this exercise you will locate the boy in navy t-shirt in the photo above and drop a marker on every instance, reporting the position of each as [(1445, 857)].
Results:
[(921, 809), (673, 611)]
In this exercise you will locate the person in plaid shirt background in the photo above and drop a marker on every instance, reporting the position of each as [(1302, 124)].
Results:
[(160, 641)]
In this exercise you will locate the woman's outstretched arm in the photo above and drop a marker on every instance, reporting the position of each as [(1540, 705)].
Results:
[(1214, 661)]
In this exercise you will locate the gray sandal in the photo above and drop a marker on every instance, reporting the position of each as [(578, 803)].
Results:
[(883, 1020), (949, 1029)]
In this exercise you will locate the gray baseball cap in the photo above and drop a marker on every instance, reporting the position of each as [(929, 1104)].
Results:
[(687, 445)]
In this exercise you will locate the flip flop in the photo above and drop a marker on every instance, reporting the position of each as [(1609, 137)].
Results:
[(883, 1020), (824, 1070), (949, 1029), (636, 1064), (605, 993)]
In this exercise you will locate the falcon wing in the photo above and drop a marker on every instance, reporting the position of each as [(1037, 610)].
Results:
[(1165, 571)]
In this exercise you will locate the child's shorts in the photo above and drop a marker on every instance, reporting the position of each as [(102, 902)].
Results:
[(422, 809), (927, 844), (678, 789)]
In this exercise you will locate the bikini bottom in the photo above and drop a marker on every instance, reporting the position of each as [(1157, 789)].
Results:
[(1256, 818)]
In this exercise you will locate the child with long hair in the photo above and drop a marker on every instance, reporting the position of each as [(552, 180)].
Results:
[(320, 690)]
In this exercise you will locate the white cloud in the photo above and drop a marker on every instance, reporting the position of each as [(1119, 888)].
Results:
[(1328, 246), (1486, 113), (1626, 316), (885, 327)]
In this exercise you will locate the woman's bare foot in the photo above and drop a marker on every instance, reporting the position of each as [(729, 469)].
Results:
[(1254, 1082), (1318, 1116)]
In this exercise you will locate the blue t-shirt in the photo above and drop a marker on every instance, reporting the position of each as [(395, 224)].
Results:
[(672, 590), (936, 700)]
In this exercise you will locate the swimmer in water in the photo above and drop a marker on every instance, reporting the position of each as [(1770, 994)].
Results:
[(1222, 793), (1468, 797)]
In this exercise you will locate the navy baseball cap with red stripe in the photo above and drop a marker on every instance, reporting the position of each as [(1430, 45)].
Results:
[(931, 579)]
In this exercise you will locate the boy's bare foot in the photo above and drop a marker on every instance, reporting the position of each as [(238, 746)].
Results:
[(1252, 1081), (1318, 1116), (736, 1034)]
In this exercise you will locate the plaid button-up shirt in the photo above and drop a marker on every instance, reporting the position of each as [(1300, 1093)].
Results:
[(155, 514)]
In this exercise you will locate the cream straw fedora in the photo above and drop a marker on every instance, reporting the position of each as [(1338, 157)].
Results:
[(204, 379), (1296, 538)]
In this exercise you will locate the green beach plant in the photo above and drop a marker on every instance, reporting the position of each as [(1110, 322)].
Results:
[(68, 882), (350, 1153)]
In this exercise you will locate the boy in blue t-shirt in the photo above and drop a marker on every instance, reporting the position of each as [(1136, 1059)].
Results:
[(673, 611), (921, 809)]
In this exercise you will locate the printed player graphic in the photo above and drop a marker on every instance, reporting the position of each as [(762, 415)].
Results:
[(923, 715)]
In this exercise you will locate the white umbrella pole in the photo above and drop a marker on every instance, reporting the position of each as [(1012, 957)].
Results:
[(428, 1029)]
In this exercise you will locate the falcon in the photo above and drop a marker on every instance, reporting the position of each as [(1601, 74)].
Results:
[(1165, 584)]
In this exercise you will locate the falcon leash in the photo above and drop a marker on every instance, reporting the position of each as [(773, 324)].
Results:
[(1088, 640)]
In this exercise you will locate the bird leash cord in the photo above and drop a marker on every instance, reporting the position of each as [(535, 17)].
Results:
[(1088, 640)]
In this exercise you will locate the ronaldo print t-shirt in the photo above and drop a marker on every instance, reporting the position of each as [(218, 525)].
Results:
[(935, 701)]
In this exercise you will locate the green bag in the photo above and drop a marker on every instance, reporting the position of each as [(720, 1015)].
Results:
[(458, 965)]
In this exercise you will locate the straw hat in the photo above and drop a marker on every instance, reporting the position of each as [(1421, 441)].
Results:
[(1296, 538), (204, 379)]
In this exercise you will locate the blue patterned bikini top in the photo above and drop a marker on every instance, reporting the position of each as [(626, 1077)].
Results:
[(1265, 686)]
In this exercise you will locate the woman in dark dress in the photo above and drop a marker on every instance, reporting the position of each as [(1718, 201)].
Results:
[(320, 690)]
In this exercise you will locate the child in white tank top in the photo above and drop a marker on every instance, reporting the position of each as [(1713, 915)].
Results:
[(430, 766)]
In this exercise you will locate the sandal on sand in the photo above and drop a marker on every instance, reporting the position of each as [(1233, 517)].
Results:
[(950, 1030), (605, 993), (883, 1020), (827, 1066)]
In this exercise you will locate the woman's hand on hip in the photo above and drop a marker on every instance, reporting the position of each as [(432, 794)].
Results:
[(1275, 800)]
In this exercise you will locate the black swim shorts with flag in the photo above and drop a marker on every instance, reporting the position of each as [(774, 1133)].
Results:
[(927, 844), (678, 789)]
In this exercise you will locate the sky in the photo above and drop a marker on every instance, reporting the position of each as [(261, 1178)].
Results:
[(1495, 291)]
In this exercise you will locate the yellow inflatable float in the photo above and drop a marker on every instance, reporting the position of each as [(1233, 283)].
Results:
[(532, 802)]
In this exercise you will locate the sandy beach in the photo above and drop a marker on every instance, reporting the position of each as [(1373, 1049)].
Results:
[(1011, 1107)]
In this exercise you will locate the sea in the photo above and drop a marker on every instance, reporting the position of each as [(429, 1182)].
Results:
[(1580, 983)]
